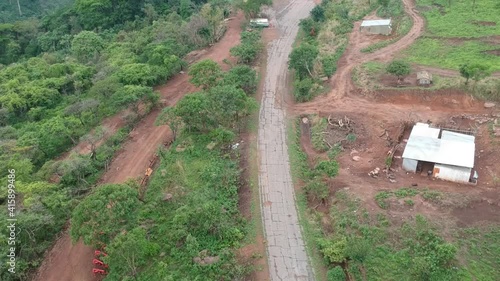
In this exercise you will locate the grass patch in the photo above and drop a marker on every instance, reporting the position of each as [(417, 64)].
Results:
[(447, 24), (318, 128), (461, 19), (451, 56), (413, 251), (430, 195)]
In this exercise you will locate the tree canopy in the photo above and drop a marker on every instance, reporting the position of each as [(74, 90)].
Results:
[(103, 214), (474, 71), (302, 59), (398, 68)]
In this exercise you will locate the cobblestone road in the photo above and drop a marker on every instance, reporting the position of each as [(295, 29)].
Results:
[(285, 247)]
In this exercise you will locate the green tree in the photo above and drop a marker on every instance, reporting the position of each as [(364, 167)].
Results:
[(137, 74), (334, 250), (94, 138), (215, 18), (195, 112), (205, 73), (252, 7), (318, 13), (317, 190), (302, 59), (383, 3), (474, 71), (128, 253), (168, 117), (87, 45), (185, 8), (83, 110), (244, 77), (398, 68), (229, 104), (103, 214), (303, 89)]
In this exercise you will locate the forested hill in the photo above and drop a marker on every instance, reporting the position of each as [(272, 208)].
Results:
[(13, 10), (61, 74)]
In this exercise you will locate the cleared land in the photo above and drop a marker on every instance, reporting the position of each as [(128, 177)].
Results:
[(397, 225)]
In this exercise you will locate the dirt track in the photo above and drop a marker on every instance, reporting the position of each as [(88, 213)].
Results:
[(383, 109), (341, 81), (73, 262)]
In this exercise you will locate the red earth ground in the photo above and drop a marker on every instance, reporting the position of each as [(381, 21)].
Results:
[(385, 110), (67, 261)]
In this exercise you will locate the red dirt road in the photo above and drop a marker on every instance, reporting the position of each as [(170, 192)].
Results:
[(341, 82), (73, 262)]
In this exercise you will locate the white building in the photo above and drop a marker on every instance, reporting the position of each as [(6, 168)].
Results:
[(447, 155), (377, 26)]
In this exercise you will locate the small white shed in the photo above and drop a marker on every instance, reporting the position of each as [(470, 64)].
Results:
[(383, 26), (259, 23)]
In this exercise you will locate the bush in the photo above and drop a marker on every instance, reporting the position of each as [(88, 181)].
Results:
[(317, 190), (250, 47), (303, 90), (330, 168), (336, 274), (333, 249)]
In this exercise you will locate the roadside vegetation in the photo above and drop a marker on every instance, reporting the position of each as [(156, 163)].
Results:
[(323, 40), (188, 225), (62, 74), (458, 32)]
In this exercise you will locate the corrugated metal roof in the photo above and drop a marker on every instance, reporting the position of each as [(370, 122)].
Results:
[(451, 149), (376, 22), (264, 21), (424, 75)]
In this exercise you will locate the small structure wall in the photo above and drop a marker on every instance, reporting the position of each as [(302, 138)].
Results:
[(410, 165), (452, 173), (377, 29), (424, 81)]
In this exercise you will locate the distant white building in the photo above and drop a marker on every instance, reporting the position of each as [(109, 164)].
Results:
[(383, 27), (259, 23), (444, 154)]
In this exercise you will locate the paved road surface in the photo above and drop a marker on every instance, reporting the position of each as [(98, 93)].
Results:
[(287, 257)]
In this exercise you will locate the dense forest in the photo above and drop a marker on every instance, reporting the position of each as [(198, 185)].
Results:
[(62, 71)]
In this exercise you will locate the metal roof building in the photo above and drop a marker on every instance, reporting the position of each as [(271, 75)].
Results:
[(377, 26), (449, 154)]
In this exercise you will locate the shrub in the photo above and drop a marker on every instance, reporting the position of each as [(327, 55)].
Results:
[(303, 90), (317, 190), (334, 249), (336, 274), (329, 64), (330, 168), (380, 199)]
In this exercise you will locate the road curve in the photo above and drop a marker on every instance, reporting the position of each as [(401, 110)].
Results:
[(341, 81), (287, 256)]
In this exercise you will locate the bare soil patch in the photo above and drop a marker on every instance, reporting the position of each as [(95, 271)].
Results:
[(493, 52), (485, 23), (477, 213)]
